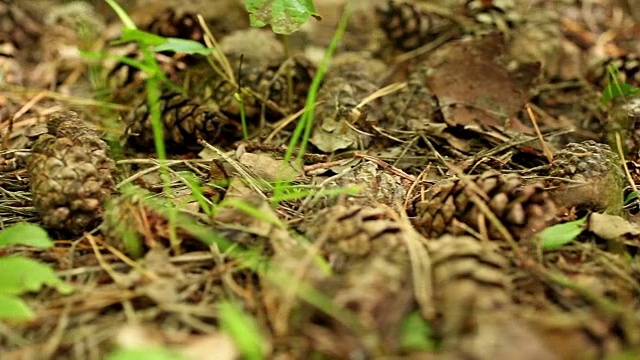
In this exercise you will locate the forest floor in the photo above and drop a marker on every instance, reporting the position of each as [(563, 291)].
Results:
[(460, 187)]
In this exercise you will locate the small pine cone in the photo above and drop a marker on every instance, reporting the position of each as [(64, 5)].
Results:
[(586, 175), (283, 87), (448, 206), (375, 186), (470, 279), (338, 113), (497, 14), (414, 106), (18, 25), (356, 231), (367, 245), (135, 222), (170, 23), (71, 174), (408, 27), (627, 67), (584, 161), (185, 122)]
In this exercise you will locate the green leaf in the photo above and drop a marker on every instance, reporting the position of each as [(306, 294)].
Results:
[(632, 196), (160, 43), (243, 330), (284, 16), (25, 234), (13, 308), (615, 90), (21, 275), (142, 37), (559, 235), (183, 46), (150, 353), (416, 334)]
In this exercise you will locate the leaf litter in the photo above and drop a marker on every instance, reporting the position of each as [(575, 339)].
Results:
[(426, 200)]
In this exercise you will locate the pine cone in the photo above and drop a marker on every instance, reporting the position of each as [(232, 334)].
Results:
[(470, 279), (17, 25), (375, 186), (375, 282), (71, 174), (282, 88), (414, 106), (338, 112), (586, 175), (584, 161), (497, 14), (448, 206), (356, 231), (170, 23), (408, 27), (135, 222), (185, 121)]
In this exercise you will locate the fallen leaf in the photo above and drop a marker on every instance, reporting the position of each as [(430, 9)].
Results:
[(611, 227), (473, 84)]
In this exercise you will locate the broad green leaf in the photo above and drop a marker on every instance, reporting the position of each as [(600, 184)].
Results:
[(183, 46), (13, 308), (150, 353), (159, 43), (615, 90), (26, 234), (21, 275), (284, 16), (632, 196), (416, 334), (139, 36), (559, 235), (243, 330)]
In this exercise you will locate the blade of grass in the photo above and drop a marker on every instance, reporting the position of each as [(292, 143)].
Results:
[(305, 124)]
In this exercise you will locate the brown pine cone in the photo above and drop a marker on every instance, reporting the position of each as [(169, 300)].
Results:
[(448, 206), (356, 231), (282, 88), (584, 161), (18, 25), (408, 27), (170, 23), (374, 280), (71, 174), (185, 122), (337, 116), (135, 222), (414, 106), (470, 279), (496, 14), (586, 175)]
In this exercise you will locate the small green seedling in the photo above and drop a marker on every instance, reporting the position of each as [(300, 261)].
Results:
[(21, 275), (616, 89)]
